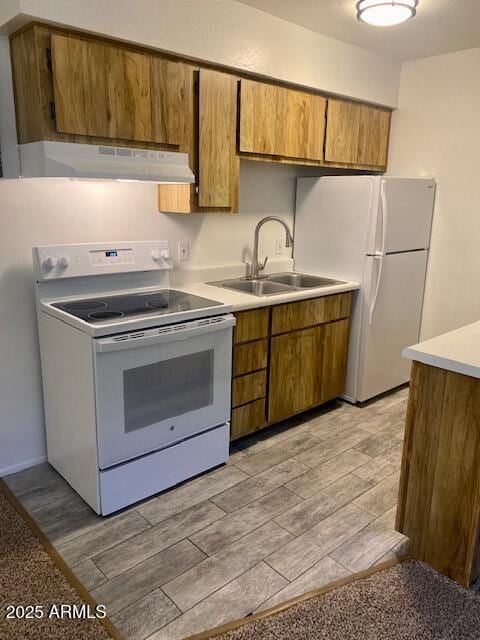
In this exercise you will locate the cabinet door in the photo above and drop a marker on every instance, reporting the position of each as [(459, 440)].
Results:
[(218, 162), (282, 122), (101, 89), (334, 359), (374, 129), (341, 141), (295, 372), (258, 117), (172, 92), (300, 124)]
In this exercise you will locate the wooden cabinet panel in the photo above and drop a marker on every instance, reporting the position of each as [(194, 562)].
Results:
[(374, 130), (307, 367), (300, 124), (357, 134), (171, 91), (101, 89), (218, 162), (334, 360), (280, 121), (247, 419), (307, 313), (249, 387), (251, 325), (341, 141), (258, 115), (250, 356), (439, 495), (295, 372)]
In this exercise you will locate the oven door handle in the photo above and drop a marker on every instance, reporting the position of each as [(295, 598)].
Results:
[(163, 335)]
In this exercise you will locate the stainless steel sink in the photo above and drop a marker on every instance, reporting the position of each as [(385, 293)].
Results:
[(302, 280), (260, 287), (276, 283)]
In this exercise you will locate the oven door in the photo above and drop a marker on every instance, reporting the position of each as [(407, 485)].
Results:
[(160, 386)]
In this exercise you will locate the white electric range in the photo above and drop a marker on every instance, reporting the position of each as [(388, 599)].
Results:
[(136, 376)]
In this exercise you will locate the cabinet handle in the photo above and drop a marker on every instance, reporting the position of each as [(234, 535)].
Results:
[(52, 110)]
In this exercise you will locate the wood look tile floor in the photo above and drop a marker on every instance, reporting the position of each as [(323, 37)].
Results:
[(306, 503)]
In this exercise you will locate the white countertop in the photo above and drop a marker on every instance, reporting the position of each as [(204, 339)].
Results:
[(457, 351), (240, 301)]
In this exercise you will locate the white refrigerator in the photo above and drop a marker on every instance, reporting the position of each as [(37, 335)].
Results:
[(375, 230)]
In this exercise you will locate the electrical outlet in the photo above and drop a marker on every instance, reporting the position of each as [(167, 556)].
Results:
[(279, 246), (183, 250)]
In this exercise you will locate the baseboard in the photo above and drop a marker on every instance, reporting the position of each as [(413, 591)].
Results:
[(6, 471)]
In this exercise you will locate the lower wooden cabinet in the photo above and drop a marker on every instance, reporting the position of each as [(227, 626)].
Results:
[(301, 363), (247, 419), (251, 356), (249, 388), (295, 372)]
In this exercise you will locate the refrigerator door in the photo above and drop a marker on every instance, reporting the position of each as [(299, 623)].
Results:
[(332, 219), (391, 315), (404, 218)]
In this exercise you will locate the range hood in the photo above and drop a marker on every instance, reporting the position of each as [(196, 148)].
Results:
[(48, 159)]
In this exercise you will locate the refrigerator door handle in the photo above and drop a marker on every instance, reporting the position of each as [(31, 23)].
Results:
[(383, 198), (379, 255)]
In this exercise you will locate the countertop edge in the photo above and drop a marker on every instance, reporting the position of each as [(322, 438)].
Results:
[(239, 301), (441, 362), (457, 351)]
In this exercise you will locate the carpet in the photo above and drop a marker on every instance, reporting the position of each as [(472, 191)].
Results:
[(409, 601), (30, 577)]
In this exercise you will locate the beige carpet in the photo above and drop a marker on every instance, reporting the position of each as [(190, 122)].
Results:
[(28, 576), (409, 601)]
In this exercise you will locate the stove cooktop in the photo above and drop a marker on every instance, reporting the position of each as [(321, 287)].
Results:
[(112, 308)]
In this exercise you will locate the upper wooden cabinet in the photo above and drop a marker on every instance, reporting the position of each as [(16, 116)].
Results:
[(75, 88), (357, 134), (101, 89), (281, 122), (218, 162), (106, 91)]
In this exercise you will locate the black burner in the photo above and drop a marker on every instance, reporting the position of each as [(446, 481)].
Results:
[(84, 305), (153, 303), (105, 315), (158, 303)]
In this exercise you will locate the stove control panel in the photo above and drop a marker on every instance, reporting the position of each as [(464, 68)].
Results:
[(54, 262), (102, 257)]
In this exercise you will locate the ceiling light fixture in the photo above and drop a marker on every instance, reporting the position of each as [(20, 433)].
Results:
[(385, 13)]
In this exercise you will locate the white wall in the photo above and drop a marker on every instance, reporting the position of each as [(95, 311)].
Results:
[(436, 132), (36, 212), (228, 33)]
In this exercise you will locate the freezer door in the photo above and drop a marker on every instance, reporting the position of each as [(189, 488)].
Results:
[(332, 219), (407, 205), (390, 320)]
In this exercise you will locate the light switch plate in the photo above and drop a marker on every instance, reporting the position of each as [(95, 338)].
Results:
[(279, 246)]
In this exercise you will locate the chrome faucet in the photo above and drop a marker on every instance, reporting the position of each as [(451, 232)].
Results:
[(256, 266)]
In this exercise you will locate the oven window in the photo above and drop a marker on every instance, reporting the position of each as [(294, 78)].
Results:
[(167, 389)]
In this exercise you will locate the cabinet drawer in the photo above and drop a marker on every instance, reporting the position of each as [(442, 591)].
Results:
[(248, 357), (247, 419), (251, 325), (249, 387), (308, 313)]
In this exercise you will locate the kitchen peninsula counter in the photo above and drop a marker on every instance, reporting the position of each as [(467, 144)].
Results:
[(439, 496)]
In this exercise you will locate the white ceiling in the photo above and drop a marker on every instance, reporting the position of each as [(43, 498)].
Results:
[(440, 26)]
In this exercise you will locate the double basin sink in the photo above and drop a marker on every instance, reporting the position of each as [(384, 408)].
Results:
[(276, 283)]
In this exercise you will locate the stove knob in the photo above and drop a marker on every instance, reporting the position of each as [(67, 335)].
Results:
[(50, 262), (64, 261), (164, 254)]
